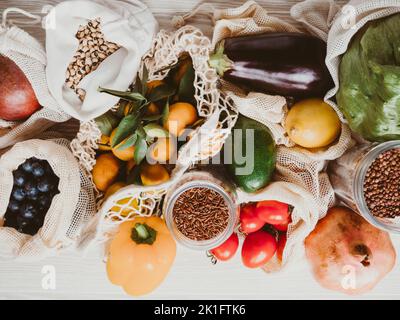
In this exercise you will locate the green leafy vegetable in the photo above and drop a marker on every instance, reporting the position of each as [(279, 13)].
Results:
[(369, 92)]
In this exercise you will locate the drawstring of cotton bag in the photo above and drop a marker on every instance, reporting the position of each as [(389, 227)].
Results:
[(35, 18), (207, 9)]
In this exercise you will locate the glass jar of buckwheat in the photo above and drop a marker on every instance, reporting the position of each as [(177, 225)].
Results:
[(367, 179), (200, 210)]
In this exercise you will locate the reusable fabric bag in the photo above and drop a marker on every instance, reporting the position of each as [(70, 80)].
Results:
[(205, 142), (127, 24), (69, 210), (29, 55), (338, 25), (299, 172)]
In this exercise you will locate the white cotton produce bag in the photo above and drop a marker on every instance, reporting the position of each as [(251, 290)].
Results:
[(128, 23), (29, 55)]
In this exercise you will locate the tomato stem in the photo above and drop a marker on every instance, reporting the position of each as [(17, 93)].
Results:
[(143, 234)]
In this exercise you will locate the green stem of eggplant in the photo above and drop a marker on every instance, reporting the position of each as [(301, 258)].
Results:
[(220, 61)]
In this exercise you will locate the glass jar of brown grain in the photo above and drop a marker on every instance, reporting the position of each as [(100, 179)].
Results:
[(353, 174)]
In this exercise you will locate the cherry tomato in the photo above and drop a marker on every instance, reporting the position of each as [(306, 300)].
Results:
[(281, 246), (258, 248), (284, 226), (273, 212), (249, 221), (226, 250)]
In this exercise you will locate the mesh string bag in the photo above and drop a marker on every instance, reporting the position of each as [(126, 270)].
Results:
[(338, 25), (28, 54), (205, 142), (300, 172), (70, 210)]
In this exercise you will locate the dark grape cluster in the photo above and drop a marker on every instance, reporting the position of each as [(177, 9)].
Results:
[(35, 185)]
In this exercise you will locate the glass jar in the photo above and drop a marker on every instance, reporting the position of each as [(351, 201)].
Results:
[(202, 179), (347, 175)]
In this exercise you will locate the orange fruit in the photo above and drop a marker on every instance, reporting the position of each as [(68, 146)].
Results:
[(153, 84), (152, 109), (125, 154), (129, 166), (162, 150), (153, 174), (105, 171), (180, 72), (104, 143), (181, 115)]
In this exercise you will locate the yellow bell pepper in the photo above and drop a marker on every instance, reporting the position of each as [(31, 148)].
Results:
[(141, 255)]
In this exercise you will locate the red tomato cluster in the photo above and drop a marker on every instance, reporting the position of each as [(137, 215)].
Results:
[(260, 245)]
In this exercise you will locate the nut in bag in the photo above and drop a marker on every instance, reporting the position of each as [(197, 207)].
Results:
[(91, 44), (46, 200)]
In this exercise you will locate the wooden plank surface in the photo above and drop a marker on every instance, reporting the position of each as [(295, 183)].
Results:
[(192, 275)]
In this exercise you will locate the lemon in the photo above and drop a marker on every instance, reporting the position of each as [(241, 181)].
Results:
[(312, 123)]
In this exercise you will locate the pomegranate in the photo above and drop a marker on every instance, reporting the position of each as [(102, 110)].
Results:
[(348, 254), (17, 98)]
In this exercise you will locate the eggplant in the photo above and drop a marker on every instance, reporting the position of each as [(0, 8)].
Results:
[(286, 64)]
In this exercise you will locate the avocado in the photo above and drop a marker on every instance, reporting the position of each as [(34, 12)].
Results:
[(252, 168)]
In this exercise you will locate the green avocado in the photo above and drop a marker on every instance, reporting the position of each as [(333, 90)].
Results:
[(250, 167)]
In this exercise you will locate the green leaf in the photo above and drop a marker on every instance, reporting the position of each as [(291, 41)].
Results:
[(144, 80), (152, 118), (107, 122), (186, 89), (154, 130), (161, 92), (140, 150), (140, 131), (126, 127), (165, 113), (130, 141), (126, 95)]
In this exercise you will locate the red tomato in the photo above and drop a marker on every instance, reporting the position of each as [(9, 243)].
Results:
[(281, 246), (258, 248), (284, 226), (249, 221), (273, 212), (226, 250)]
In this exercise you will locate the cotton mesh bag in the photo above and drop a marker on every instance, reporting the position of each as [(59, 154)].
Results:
[(300, 171), (70, 209), (28, 54), (205, 142), (338, 25)]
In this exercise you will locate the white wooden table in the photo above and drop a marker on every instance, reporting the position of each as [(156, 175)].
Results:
[(192, 276)]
